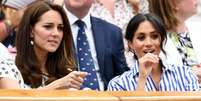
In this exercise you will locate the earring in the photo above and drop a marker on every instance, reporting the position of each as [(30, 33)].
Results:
[(32, 43)]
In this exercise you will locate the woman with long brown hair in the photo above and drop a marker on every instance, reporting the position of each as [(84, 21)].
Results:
[(45, 55)]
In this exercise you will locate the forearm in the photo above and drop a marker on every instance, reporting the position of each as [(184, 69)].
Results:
[(52, 86), (6, 83), (141, 83)]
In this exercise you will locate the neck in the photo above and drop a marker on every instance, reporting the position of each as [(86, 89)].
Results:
[(182, 28), (78, 12), (181, 25)]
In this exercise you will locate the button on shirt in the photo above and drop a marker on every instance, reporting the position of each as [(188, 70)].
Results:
[(173, 78), (88, 29)]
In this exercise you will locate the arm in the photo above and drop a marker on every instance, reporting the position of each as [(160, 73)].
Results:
[(6, 83), (146, 65), (72, 80), (9, 75)]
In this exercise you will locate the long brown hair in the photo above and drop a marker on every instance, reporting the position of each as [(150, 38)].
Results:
[(166, 10), (59, 63)]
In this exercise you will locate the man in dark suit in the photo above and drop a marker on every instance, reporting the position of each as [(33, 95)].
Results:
[(105, 41)]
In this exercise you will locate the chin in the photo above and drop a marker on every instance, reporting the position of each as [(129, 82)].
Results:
[(52, 50)]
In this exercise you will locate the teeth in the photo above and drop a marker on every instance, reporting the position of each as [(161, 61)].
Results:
[(149, 51)]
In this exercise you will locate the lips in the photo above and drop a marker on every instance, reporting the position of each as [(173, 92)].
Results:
[(149, 51), (53, 42)]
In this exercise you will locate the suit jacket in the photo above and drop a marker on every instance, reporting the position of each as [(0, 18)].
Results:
[(109, 46)]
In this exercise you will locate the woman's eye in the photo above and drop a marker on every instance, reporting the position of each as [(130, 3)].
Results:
[(140, 38), (61, 28), (48, 26), (155, 36)]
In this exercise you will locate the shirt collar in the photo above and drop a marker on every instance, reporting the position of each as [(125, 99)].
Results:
[(72, 18)]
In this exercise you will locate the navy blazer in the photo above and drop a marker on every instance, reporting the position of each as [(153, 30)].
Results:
[(109, 48)]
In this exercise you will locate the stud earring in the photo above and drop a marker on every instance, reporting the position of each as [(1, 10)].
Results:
[(32, 43)]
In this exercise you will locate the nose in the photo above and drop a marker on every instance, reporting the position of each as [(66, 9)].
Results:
[(148, 42), (55, 32)]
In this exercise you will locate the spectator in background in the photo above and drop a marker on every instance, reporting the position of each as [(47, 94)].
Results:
[(3, 28), (146, 35), (2, 15), (104, 44), (9, 41), (179, 47), (117, 12), (44, 50), (10, 76), (140, 6), (9, 26), (15, 18)]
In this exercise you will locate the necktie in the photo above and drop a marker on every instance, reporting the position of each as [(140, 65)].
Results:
[(85, 58)]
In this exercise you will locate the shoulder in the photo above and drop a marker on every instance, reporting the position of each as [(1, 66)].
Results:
[(121, 82), (127, 74), (186, 77), (7, 64), (8, 69), (4, 53), (183, 71), (104, 23)]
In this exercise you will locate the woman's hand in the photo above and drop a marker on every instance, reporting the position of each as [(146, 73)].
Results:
[(71, 81), (146, 64)]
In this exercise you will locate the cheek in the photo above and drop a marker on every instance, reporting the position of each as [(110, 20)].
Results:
[(61, 35), (41, 37), (158, 45), (137, 46)]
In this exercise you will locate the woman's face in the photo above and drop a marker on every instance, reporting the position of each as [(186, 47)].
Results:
[(145, 40), (47, 33), (186, 8)]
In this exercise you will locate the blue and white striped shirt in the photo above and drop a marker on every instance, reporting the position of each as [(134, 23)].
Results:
[(173, 78)]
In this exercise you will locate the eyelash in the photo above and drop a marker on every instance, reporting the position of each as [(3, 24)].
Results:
[(50, 26), (155, 36), (60, 28), (142, 37)]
